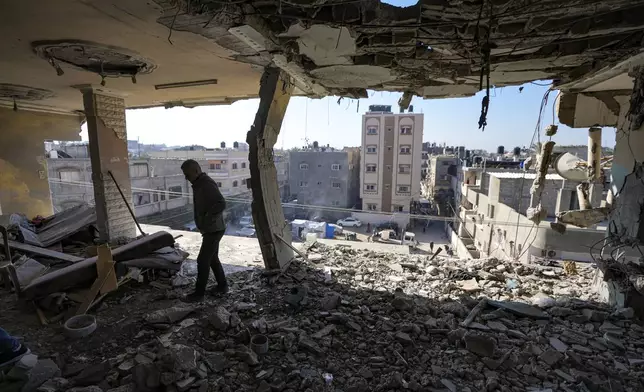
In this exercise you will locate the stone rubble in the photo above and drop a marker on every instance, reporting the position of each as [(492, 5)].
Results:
[(385, 322)]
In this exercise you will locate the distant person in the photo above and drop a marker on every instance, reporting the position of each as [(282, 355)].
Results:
[(10, 349), (209, 205), (431, 246)]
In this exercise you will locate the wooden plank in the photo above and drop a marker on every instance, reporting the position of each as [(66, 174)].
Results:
[(93, 291), (105, 263), (36, 250)]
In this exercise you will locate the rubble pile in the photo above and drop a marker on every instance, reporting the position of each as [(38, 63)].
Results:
[(359, 321)]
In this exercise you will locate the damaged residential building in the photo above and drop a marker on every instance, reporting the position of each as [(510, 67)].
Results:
[(69, 62), (325, 177)]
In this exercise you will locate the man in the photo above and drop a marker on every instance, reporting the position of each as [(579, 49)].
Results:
[(10, 349), (209, 205)]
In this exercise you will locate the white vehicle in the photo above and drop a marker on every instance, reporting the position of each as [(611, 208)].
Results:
[(246, 221), (246, 231), (349, 222)]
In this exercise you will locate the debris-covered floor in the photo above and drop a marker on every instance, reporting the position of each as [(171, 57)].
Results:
[(351, 321)]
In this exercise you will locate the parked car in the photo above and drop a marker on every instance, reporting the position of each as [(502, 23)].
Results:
[(349, 222), (190, 227), (246, 221), (246, 231), (337, 230)]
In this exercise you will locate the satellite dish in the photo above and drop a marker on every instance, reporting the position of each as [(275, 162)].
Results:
[(571, 167)]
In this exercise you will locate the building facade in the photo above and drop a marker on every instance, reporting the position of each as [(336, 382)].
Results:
[(391, 159), (324, 177)]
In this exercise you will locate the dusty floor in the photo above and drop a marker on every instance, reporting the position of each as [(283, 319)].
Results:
[(356, 321)]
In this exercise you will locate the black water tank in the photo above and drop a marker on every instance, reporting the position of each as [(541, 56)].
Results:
[(478, 160), (235, 145), (223, 144), (500, 150), (517, 151), (315, 145)]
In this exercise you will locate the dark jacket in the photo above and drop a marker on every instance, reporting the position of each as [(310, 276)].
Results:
[(209, 205)]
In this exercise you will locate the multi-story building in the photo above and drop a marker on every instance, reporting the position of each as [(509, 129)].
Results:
[(159, 188), (324, 177), (391, 159), (437, 186), (280, 158)]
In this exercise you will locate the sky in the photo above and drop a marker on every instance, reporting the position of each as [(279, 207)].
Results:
[(512, 118)]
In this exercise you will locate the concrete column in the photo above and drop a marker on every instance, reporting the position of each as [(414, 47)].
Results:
[(105, 114), (274, 94), (24, 186), (626, 226)]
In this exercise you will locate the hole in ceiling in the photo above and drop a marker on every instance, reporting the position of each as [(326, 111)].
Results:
[(92, 57), (23, 93), (400, 3)]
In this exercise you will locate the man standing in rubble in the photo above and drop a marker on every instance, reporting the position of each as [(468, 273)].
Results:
[(209, 205)]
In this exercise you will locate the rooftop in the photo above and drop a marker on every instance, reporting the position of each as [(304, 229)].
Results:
[(526, 175)]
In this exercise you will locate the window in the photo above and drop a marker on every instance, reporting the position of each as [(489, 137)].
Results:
[(304, 184), (219, 184), (155, 197), (490, 211), (405, 169), (372, 130), (336, 185), (335, 167), (141, 198), (335, 203), (371, 149), (235, 166), (304, 166), (69, 175), (371, 207), (175, 192), (212, 166), (138, 170), (215, 166), (403, 188), (319, 182), (371, 168), (406, 149), (405, 130), (235, 184), (243, 165), (397, 208), (370, 187)]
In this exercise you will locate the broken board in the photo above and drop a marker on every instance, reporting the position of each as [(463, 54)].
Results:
[(104, 283)]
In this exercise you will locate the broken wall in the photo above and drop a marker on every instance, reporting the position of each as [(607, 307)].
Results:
[(24, 185)]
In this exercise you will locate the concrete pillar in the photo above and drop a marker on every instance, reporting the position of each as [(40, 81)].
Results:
[(105, 114), (24, 186), (626, 224), (274, 94)]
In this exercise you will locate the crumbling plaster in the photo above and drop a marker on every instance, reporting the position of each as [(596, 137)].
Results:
[(435, 48), (24, 186)]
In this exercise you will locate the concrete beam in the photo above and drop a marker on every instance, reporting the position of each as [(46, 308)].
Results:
[(274, 93), (107, 134)]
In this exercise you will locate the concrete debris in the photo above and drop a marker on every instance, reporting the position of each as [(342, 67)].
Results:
[(365, 332)]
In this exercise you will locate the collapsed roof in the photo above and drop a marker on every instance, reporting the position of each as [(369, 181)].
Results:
[(199, 52), (437, 48)]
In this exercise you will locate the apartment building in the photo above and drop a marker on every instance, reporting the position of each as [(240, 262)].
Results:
[(324, 177), (391, 159), (229, 167)]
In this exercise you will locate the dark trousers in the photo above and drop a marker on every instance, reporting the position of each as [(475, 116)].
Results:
[(209, 259)]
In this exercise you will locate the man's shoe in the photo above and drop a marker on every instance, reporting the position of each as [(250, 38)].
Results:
[(193, 297), (219, 290), (10, 357)]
